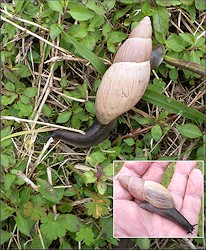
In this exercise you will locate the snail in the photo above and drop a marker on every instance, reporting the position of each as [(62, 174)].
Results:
[(122, 86), (155, 198)]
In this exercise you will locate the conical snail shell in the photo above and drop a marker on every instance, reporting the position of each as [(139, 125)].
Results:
[(125, 82), (149, 191)]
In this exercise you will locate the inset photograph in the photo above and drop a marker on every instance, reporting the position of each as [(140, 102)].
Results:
[(158, 199)]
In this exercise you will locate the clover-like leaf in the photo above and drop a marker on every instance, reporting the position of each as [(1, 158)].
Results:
[(85, 234), (53, 227)]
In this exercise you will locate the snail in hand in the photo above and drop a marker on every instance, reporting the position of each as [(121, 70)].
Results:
[(122, 86), (155, 198)]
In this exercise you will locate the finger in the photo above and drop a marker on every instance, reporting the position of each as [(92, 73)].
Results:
[(130, 168), (192, 201), (156, 171), (178, 183), (135, 168)]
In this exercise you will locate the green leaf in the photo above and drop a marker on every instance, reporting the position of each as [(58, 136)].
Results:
[(89, 177), (56, 6), (127, 1), (200, 4), (161, 20), (4, 133), (9, 74), (4, 160), (173, 106), (175, 43), (168, 2), (47, 191), (90, 107), (97, 209), (187, 37), (5, 236), (189, 130), (110, 4), (24, 110), (64, 117), (55, 30), (65, 206), (129, 141), (9, 179), (173, 74), (143, 243), (7, 100), (24, 195), (24, 99), (98, 156), (96, 21), (146, 8), (106, 29), (90, 41), (30, 91), (107, 226), (86, 235), (22, 70), (79, 30), (156, 132), (36, 241), (34, 211), (116, 36), (108, 170), (47, 110), (81, 13), (187, 2), (73, 222), (101, 187), (6, 211), (64, 245), (162, 116), (18, 5), (23, 224), (10, 86), (54, 226), (201, 153)]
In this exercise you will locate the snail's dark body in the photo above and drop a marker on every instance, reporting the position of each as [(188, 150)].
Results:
[(171, 214), (93, 135)]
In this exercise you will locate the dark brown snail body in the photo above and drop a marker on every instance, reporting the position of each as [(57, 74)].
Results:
[(122, 86), (155, 198)]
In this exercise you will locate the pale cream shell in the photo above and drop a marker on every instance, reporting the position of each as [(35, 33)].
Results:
[(122, 86), (143, 29), (157, 195), (134, 50), (150, 191), (134, 185)]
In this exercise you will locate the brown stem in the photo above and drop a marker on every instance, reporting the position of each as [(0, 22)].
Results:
[(191, 66)]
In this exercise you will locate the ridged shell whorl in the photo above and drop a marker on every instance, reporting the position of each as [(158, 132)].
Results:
[(125, 82), (147, 191)]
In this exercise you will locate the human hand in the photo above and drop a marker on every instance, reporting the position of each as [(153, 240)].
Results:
[(186, 187)]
